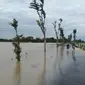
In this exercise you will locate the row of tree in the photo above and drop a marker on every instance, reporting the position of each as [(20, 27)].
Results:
[(60, 33), (60, 37)]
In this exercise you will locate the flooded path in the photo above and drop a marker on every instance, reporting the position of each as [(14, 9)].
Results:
[(63, 67), (66, 68)]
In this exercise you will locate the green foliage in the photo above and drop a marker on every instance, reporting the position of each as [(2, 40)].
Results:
[(61, 32), (41, 13), (40, 25), (38, 22), (61, 29), (74, 31), (34, 5), (14, 24), (54, 24), (42, 1), (60, 20), (74, 34), (17, 50)]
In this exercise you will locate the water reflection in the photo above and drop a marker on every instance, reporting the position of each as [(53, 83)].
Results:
[(54, 72), (73, 55), (59, 59), (42, 75), (17, 73), (56, 58), (57, 70), (67, 52), (62, 51)]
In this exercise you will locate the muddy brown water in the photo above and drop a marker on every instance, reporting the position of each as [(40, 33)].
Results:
[(62, 65)]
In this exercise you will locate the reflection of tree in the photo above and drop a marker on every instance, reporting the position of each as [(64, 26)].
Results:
[(17, 73), (56, 32), (56, 58), (61, 58), (62, 51), (67, 52), (42, 75), (73, 55), (58, 61)]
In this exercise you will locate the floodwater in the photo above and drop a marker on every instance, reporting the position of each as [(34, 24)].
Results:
[(63, 67)]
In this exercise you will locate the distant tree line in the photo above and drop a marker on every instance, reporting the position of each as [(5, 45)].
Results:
[(38, 40)]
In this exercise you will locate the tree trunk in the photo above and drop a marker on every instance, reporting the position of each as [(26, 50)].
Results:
[(18, 57), (57, 39), (44, 51), (18, 53)]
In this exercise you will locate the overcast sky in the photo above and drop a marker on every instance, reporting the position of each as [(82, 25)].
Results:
[(71, 11)]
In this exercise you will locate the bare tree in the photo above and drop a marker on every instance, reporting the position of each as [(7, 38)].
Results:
[(59, 26), (54, 24), (61, 29), (39, 7)]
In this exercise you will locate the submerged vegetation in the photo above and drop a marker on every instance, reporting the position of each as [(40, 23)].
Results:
[(61, 31), (56, 56), (56, 32), (16, 43), (74, 34), (39, 7)]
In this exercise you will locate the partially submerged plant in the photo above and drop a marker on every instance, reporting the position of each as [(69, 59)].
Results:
[(61, 29), (74, 36), (54, 24), (16, 41), (39, 7), (59, 24)]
